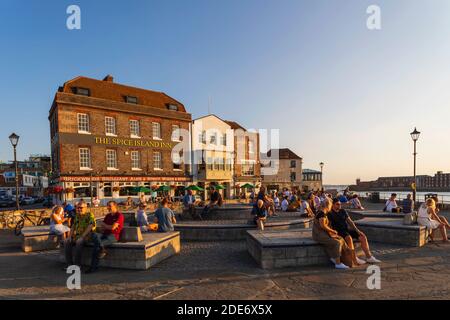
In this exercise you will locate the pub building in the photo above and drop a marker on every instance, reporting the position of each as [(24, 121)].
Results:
[(112, 138)]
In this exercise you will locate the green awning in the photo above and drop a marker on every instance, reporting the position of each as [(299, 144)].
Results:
[(163, 189), (248, 186), (195, 188), (141, 189), (219, 187)]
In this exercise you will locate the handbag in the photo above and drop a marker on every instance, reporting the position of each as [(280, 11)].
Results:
[(410, 218)]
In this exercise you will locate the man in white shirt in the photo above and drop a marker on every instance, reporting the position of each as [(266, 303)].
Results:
[(391, 204), (305, 209)]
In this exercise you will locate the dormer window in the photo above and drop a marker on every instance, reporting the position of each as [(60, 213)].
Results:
[(81, 91), (172, 107), (131, 99)]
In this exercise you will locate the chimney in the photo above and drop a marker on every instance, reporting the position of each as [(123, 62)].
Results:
[(109, 78)]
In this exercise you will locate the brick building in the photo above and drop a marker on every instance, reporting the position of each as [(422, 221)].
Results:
[(116, 137), (288, 168)]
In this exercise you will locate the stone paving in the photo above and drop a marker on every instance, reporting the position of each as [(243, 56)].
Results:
[(224, 270)]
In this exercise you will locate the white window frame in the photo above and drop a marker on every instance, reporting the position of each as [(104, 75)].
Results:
[(137, 127), (108, 159), (135, 160), (157, 161), (248, 164), (110, 125), (87, 123), (176, 133), (81, 161), (159, 135)]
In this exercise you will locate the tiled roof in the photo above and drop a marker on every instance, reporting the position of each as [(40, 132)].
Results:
[(285, 153), (108, 90)]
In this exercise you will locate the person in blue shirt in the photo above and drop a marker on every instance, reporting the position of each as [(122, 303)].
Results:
[(69, 212), (408, 204), (164, 217), (189, 203)]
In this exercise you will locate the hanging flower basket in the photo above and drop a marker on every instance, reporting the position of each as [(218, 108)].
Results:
[(56, 190), (70, 190)]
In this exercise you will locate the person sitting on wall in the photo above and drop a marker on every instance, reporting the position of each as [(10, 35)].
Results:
[(70, 213), (268, 202), (111, 227), (284, 204), (356, 203), (408, 204), (305, 209), (391, 205), (142, 220), (57, 221), (215, 200), (189, 204), (260, 213), (346, 228), (164, 217)]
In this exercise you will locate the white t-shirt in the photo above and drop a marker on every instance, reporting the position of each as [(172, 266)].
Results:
[(304, 206), (276, 200), (391, 204), (284, 205)]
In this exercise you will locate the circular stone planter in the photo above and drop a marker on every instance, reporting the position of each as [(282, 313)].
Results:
[(230, 212), (229, 231), (361, 214)]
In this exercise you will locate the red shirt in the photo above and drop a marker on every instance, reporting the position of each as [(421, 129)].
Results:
[(111, 219)]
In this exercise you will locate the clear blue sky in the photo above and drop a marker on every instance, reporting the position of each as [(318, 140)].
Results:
[(339, 93)]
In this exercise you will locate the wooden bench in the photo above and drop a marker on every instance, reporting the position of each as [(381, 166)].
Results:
[(154, 248), (289, 248), (393, 231)]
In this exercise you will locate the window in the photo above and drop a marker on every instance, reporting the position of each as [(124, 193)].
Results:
[(157, 161), (156, 129), (130, 99), (83, 123), (110, 126), (175, 133), (202, 137), (293, 164), (213, 138), (210, 163), (172, 107), (134, 129), (135, 160), (248, 169), (111, 159), (85, 158), (229, 164), (223, 140), (251, 147), (82, 91), (293, 176)]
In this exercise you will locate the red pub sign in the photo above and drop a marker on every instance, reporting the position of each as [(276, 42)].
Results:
[(123, 179)]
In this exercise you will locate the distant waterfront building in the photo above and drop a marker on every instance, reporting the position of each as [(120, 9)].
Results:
[(312, 180), (440, 182), (115, 137), (289, 171)]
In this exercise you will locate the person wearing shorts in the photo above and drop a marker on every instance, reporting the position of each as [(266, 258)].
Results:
[(346, 228)]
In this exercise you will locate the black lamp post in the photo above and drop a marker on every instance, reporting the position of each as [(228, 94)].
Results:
[(321, 173), (415, 136), (14, 138)]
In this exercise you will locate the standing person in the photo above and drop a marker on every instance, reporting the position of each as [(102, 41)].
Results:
[(408, 204), (57, 220), (142, 200), (276, 201), (189, 203), (96, 202), (427, 217), (346, 228), (391, 204), (260, 213), (111, 228), (335, 245), (83, 226), (164, 217)]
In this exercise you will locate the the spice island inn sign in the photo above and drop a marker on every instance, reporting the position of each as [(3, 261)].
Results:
[(70, 138)]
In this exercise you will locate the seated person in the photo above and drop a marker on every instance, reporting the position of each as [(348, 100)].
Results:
[(305, 209), (111, 227), (276, 202), (408, 204), (83, 225), (436, 210), (57, 223), (189, 203), (260, 213), (142, 220), (164, 217), (322, 232), (355, 203), (214, 200), (70, 213), (427, 217), (391, 205), (346, 228), (284, 204)]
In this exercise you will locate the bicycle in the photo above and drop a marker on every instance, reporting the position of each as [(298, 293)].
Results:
[(34, 219)]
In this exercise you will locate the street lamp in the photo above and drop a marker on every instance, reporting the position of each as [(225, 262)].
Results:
[(14, 138), (321, 174), (415, 136)]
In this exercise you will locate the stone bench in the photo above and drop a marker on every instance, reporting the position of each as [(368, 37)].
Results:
[(232, 232), (154, 248), (356, 214), (393, 231), (40, 239), (290, 248)]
